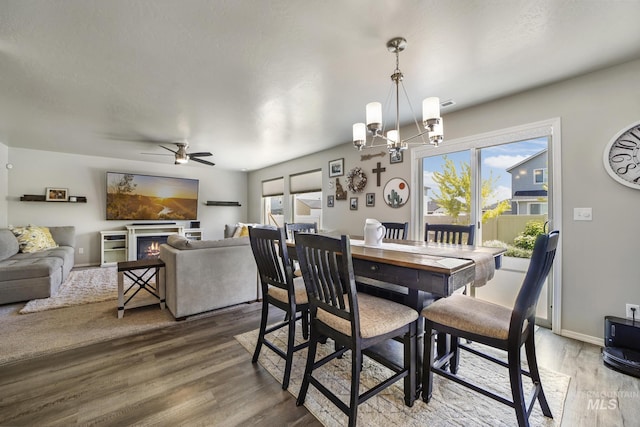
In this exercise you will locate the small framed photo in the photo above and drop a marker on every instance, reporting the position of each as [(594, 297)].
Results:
[(371, 199), (353, 203), (336, 167), (330, 200), (396, 157), (56, 194)]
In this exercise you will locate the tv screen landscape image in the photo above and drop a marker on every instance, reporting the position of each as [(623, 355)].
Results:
[(146, 197)]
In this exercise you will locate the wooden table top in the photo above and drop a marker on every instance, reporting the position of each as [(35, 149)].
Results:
[(433, 257)]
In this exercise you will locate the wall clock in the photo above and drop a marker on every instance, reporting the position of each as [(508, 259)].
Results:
[(622, 156)]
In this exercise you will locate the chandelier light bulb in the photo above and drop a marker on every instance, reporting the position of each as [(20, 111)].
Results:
[(374, 113), (359, 135), (430, 108)]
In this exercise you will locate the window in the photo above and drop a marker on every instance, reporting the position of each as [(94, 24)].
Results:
[(273, 201), (540, 176), (306, 196)]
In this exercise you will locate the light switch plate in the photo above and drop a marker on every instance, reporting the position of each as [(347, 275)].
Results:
[(582, 214)]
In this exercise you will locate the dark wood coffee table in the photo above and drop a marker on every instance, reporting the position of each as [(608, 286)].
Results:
[(140, 272)]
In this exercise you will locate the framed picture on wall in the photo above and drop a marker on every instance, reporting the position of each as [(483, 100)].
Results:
[(396, 157), (330, 201), (371, 199), (353, 203), (56, 194), (336, 167)]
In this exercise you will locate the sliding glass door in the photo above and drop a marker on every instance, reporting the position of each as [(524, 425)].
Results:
[(503, 185)]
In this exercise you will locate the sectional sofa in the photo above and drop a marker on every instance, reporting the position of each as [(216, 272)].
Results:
[(27, 276)]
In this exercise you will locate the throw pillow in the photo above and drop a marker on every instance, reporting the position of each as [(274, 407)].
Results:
[(242, 230), (33, 238)]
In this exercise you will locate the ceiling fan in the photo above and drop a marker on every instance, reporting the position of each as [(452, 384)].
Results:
[(183, 157)]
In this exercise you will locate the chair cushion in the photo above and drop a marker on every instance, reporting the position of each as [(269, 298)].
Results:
[(378, 316), (471, 315), (300, 291)]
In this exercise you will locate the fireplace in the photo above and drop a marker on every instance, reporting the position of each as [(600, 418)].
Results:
[(149, 246)]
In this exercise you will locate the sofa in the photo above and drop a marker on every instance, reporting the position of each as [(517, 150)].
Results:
[(28, 273), (204, 275)]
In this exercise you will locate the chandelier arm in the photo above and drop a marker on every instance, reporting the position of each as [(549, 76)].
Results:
[(415, 120)]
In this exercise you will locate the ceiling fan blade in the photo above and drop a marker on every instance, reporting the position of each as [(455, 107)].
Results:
[(201, 154), (205, 162), (157, 154), (173, 151)]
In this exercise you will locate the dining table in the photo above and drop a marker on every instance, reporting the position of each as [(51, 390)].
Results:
[(417, 272)]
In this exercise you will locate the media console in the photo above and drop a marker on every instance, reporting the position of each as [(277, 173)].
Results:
[(122, 245)]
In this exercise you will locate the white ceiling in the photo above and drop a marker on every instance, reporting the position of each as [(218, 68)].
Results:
[(260, 82)]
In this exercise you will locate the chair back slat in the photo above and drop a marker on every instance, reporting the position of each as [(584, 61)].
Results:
[(328, 275), (450, 233), (300, 227), (272, 258), (396, 230), (544, 252)]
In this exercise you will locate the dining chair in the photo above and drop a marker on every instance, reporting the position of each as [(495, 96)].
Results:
[(280, 289), (396, 230), (495, 326), (355, 322), (300, 227), (450, 233)]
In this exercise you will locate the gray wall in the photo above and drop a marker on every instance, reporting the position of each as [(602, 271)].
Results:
[(599, 272), (35, 170), (4, 183)]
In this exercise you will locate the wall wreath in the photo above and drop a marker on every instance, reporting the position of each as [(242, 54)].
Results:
[(356, 180)]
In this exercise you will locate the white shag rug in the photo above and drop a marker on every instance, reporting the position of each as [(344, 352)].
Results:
[(451, 404), (81, 287)]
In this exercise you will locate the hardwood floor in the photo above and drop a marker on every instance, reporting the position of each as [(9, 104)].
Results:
[(195, 373)]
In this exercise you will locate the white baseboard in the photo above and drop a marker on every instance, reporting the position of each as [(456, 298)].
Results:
[(582, 337)]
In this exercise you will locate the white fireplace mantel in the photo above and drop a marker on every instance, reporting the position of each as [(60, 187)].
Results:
[(135, 231)]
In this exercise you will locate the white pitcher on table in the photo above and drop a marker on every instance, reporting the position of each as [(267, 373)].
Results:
[(374, 231)]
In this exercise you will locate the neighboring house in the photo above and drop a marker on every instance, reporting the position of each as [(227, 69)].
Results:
[(529, 185)]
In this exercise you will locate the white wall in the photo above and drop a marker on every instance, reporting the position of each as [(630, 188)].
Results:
[(599, 272), (4, 183), (35, 170)]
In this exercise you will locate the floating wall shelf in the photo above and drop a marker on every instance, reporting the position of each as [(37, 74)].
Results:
[(39, 198), (215, 203)]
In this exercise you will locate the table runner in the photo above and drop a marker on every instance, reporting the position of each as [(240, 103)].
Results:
[(484, 262)]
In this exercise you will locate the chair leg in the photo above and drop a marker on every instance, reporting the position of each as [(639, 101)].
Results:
[(515, 377), (356, 364), (263, 327), (311, 357), (410, 352), (455, 359), (305, 324), (290, 344), (427, 374), (530, 349)]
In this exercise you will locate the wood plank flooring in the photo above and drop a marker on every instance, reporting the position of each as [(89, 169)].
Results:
[(195, 373)]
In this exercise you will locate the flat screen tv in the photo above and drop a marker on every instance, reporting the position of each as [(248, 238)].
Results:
[(150, 198)]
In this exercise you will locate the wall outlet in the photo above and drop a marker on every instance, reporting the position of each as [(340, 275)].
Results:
[(630, 311), (80, 251)]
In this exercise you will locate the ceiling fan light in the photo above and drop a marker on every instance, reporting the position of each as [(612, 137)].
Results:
[(181, 160)]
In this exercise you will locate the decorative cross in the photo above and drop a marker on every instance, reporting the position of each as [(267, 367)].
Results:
[(378, 170)]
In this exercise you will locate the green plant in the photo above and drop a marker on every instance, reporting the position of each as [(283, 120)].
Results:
[(527, 238)]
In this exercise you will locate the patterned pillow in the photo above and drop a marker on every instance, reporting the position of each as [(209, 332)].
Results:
[(33, 238)]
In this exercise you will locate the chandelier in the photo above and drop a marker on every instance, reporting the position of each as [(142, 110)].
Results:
[(431, 119)]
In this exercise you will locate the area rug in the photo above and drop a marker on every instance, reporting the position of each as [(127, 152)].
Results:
[(451, 404), (81, 287)]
